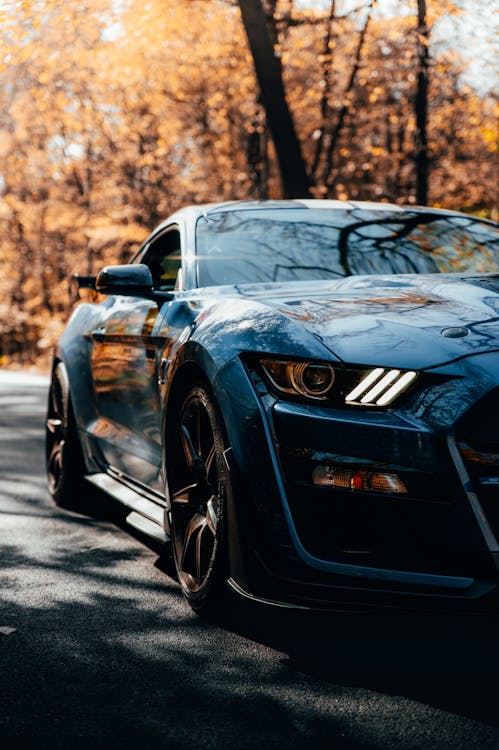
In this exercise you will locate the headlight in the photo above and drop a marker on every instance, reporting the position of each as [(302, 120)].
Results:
[(307, 379), (338, 385)]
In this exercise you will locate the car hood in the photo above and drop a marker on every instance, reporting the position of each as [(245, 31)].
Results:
[(392, 321)]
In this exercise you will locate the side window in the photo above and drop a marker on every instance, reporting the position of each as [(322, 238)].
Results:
[(163, 259)]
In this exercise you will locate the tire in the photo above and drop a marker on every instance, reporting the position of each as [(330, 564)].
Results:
[(198, 485), (64, 457)]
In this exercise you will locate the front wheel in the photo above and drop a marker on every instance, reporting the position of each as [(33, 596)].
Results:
[(198, 483)]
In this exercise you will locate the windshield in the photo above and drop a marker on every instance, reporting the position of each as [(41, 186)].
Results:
[(293, 244)]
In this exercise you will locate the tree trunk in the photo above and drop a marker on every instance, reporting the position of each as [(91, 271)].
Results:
[(326, 91), (421, 107), (328, 177), (268, 69)]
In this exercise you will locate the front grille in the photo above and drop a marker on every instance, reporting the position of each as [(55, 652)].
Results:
[(478, 441), (479, 428)]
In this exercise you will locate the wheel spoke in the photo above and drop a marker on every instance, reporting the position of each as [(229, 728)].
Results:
[(54, 424), (55, 460), (192, 458), (57, 400), (183, 496), (56, 450), (204, 548), (193, 530)]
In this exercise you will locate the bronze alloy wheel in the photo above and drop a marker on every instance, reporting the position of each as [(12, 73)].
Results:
[(56, 432), (64, 459), (198, 486)]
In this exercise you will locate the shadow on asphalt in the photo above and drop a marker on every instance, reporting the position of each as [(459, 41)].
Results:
[(109, 672), (447, 661), (119, 661)]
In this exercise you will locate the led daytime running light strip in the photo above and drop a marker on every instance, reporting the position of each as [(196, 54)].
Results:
[(380, 387)]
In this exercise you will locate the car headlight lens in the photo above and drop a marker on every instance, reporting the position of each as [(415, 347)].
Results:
[(312, 380), (307, 379), (338, 385)]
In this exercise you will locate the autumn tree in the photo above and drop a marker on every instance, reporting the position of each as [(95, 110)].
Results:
[(114, 114)]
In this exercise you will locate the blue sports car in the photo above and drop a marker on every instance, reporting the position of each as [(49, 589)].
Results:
[(300, 397)]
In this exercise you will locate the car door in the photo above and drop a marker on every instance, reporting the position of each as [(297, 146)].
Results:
[(126, 357)]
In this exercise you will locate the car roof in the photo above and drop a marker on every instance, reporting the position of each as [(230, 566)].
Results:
[(296, 203), (193, 212)]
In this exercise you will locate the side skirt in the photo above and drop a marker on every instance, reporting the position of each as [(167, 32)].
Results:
[(147, 514)]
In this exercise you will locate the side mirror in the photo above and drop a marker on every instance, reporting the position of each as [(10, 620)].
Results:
[(83, 282), (129, 280)]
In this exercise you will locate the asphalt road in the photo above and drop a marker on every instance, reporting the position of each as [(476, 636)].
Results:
[(98, 649)]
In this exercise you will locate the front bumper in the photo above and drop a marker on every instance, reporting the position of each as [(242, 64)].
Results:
[(313, 546)]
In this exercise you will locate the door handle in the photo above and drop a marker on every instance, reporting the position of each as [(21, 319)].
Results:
[(98, 334)]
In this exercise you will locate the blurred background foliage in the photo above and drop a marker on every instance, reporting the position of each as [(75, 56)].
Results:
[(114, 113)]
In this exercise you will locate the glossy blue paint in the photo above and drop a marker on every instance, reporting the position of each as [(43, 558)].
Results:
[(127, 357)]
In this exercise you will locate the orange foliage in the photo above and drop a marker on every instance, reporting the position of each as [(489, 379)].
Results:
[(114, 114)]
